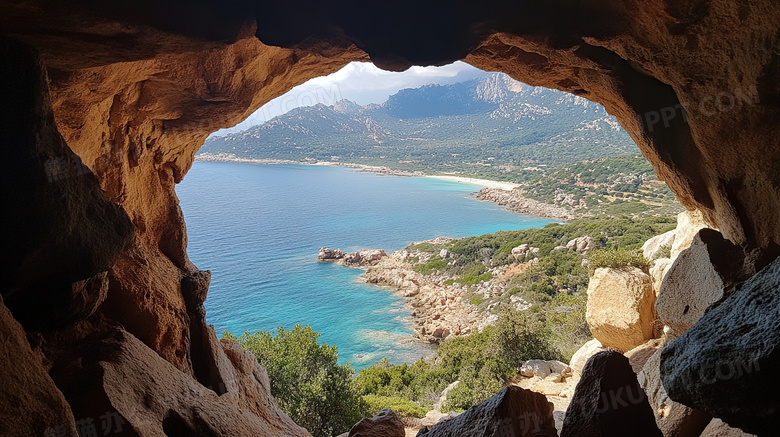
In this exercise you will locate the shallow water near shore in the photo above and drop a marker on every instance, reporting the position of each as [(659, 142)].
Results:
[(258, 228)]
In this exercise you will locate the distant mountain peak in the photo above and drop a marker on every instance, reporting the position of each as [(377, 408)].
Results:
[(345, 106)]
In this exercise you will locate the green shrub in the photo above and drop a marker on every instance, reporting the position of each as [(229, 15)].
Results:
[(476, 300), (472, 280), (617, 259), (306, 380), (402, 407)]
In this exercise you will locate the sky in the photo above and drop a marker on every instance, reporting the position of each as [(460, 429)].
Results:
[(361, 82)]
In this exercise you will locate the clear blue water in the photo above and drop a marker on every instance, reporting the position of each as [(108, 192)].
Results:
[(258, 228)]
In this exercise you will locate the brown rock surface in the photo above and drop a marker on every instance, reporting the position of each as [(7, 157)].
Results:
[(31, 403), (620, 311)]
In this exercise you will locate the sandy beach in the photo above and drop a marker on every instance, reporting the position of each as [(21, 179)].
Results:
[(478, 182)]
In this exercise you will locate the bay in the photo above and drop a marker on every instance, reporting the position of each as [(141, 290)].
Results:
[(258, 228)]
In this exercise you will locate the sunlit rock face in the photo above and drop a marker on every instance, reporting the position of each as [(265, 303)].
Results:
[(136, 86)]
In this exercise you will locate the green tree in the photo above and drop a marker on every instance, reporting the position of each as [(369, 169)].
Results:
[(306, 379)]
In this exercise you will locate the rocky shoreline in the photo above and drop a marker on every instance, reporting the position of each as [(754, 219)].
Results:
[(440, 306), (514, 201)]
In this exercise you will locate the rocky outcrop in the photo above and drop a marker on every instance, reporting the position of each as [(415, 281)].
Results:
[(673, 419), (513, 411), (620, 311), (384, 424), (608, 401), (363, 258), (582, 244), (514, 201), (726, 363), (438, 308), (524, 251)]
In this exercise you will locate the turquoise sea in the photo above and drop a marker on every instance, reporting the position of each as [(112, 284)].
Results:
[(258, 228)]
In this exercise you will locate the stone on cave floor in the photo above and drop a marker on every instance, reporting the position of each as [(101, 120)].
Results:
[(620, 309), (727, 364), (608, 401), (513, 411), (384, 424)]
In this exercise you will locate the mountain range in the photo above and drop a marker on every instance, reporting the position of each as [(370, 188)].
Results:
[(491, 121)]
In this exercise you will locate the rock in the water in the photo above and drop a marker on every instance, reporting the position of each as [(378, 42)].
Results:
[(543, 368), (327, 254), (384, 424), (513, 411), (583, 354), (727, 364), (659, 246), (673, 419), (608, 402), (620, 311)]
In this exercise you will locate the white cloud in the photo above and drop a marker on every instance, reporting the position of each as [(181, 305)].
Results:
[(361, 82)]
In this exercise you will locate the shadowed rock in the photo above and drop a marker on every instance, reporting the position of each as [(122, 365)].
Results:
[(384, 424), (512, 412), (608, 402)]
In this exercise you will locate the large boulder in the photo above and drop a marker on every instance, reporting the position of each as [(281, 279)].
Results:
[(727, 364), (513, 411), (659, 246), (583, 354), (689, 287), (639, 355), (689, 223), (608, 401), (673, 419), (384, 424), (620, 310), (581, 244)]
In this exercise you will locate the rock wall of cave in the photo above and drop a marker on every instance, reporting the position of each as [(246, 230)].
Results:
[(106, 103)]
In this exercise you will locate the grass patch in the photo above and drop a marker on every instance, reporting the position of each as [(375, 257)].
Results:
[(618, 259), (402, 407)]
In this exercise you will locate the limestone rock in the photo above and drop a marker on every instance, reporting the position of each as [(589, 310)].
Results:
[(30, 402), (513, 411), (727, 363), (384, 424), (543, 369), (673, 419), (524, 251), (689, 223), (620, 311), (583, 354), (689, 287), (656, 247), (608, 401), (658, 272)]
